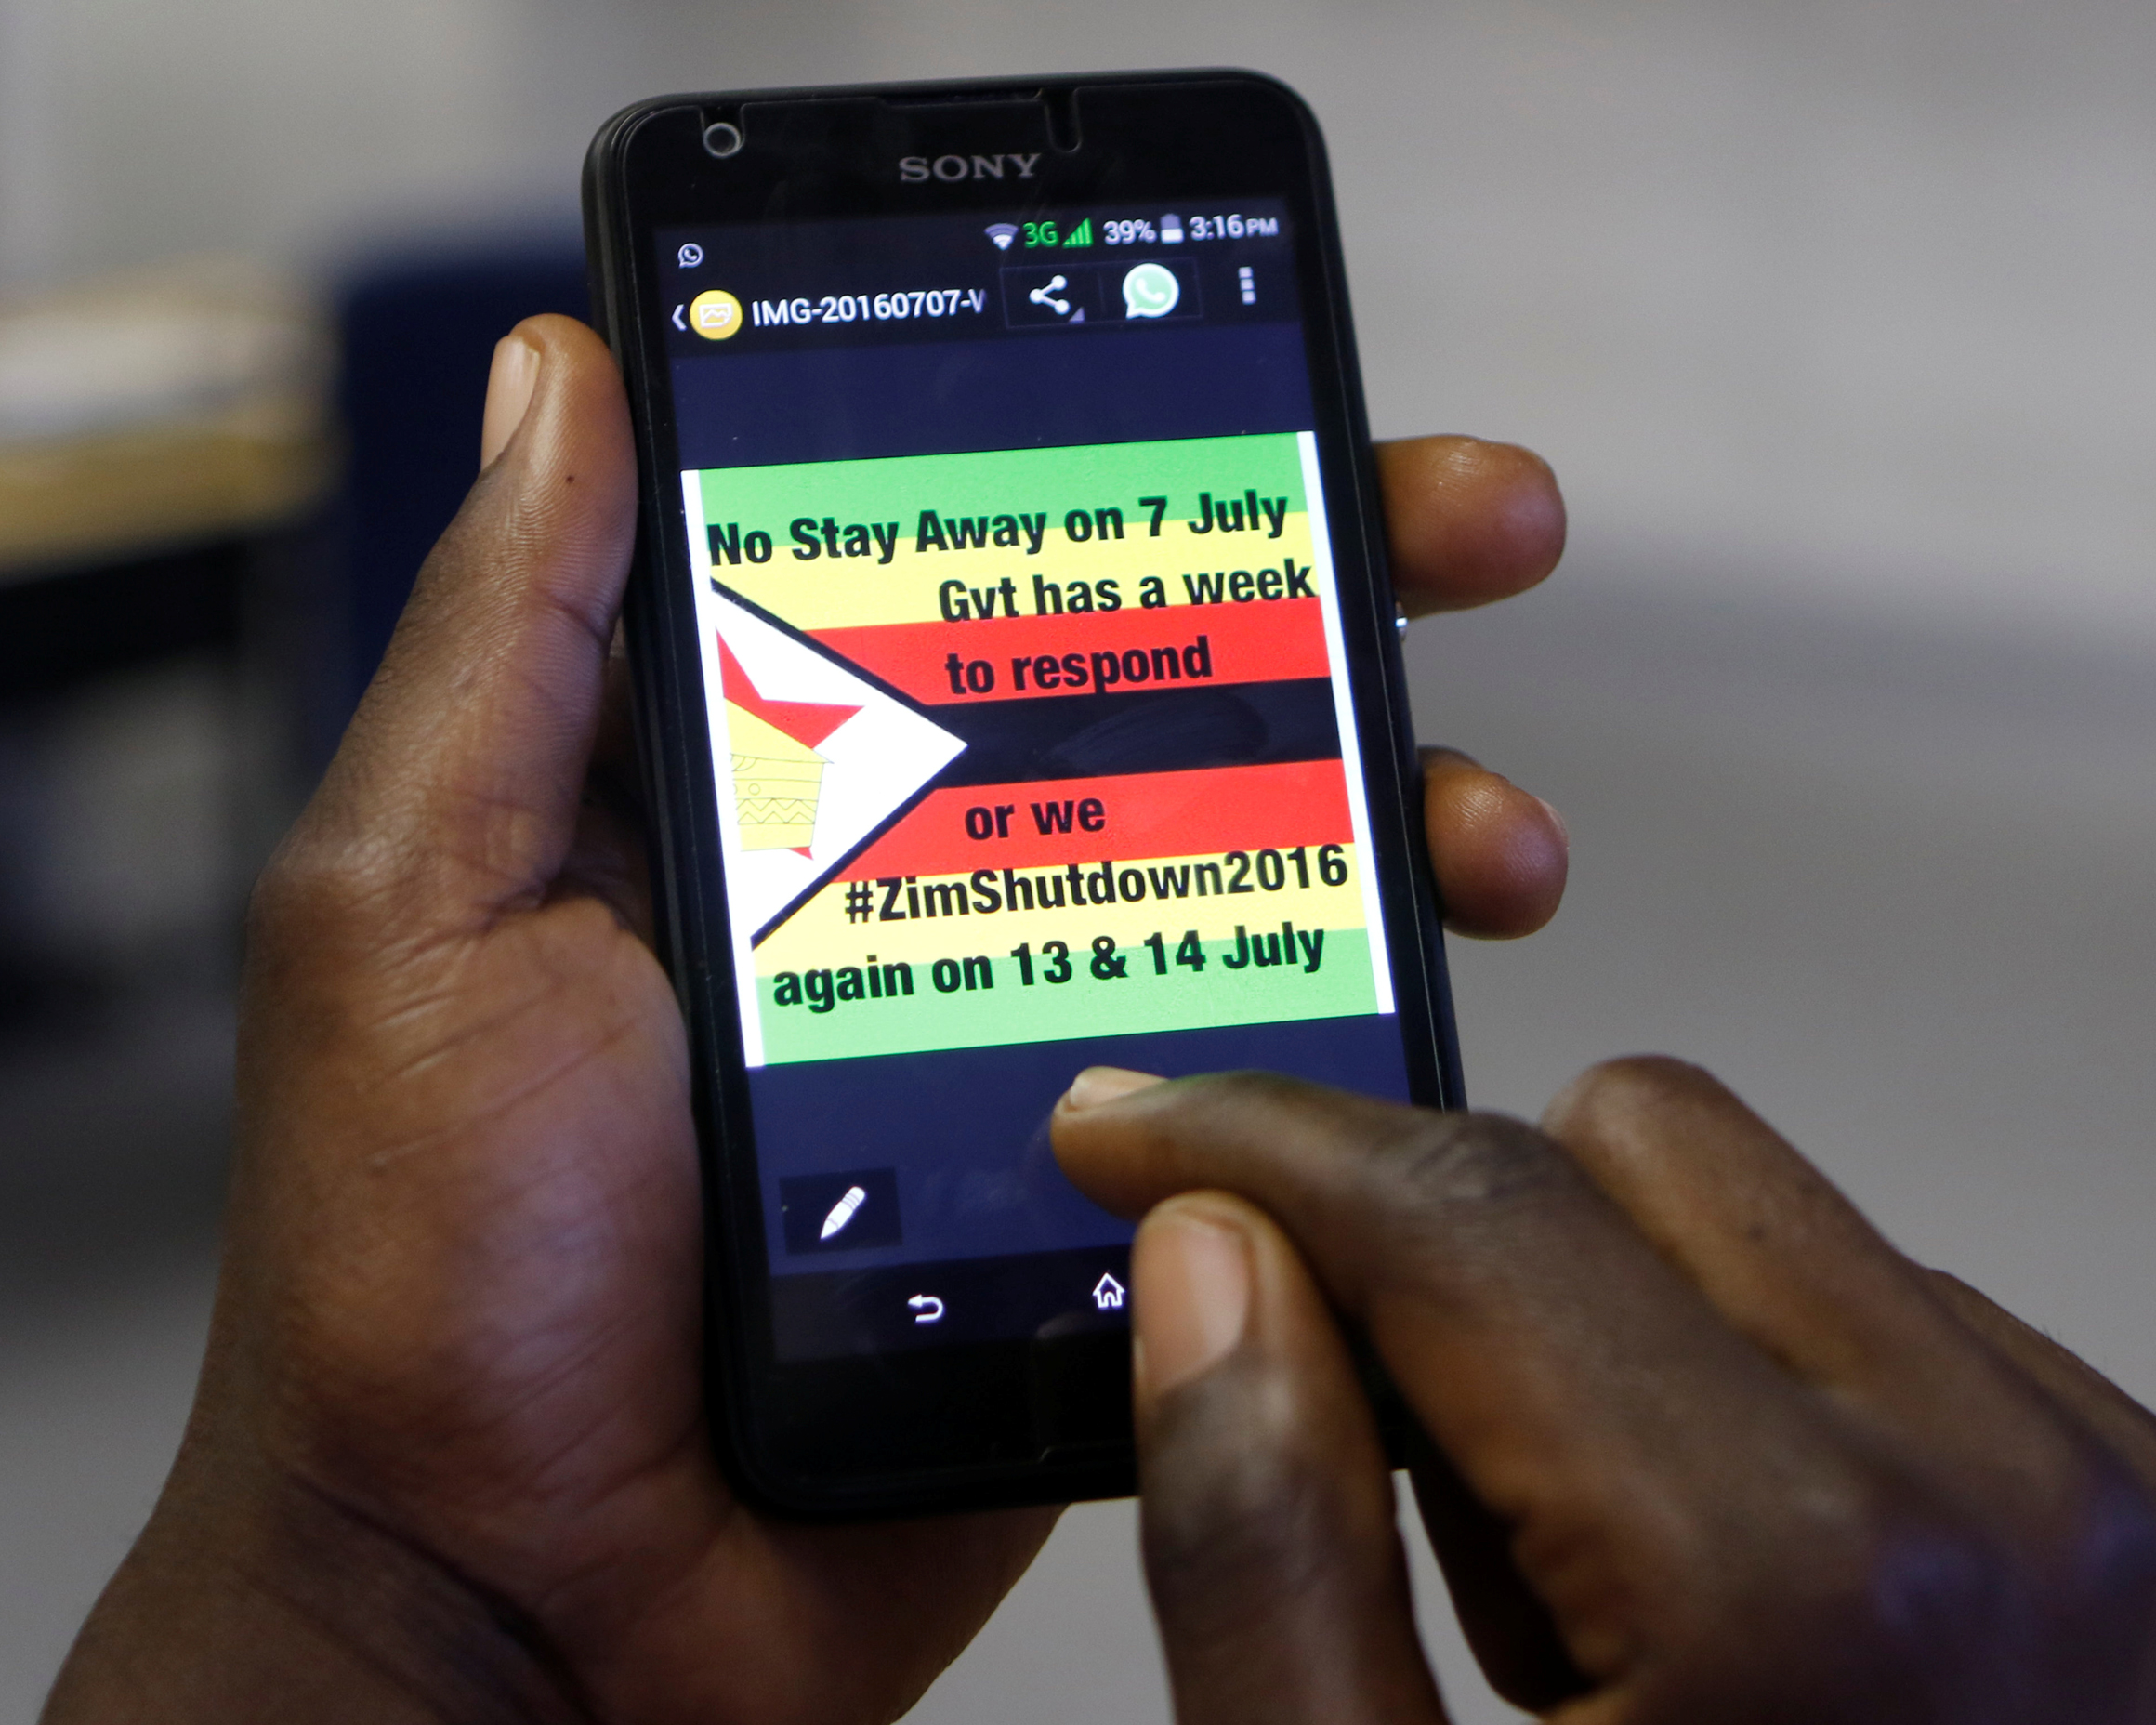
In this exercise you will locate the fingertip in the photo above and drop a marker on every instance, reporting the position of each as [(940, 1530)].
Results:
[(1269, 1527), (1500, 855), (1469, 521), (1099, 1084), (1606, 1103), (511, 380), (575, 479), (473, 740), (1190, 1274), (555, 378), (1556, 821), (1091, 1140)]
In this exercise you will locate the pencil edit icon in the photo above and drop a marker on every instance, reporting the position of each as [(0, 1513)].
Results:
[(842, 1212), (850, 1211)]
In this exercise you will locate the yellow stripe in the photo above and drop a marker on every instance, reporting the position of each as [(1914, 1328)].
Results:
[(824, 593), (821, 934)]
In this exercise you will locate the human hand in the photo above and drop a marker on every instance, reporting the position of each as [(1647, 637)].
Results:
[(1470, 523), (1701, 1445), (449, 1457)]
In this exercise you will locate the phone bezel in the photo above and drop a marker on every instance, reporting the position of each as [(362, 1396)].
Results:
[(959, 1426)]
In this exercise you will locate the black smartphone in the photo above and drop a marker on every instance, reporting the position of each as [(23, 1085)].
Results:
[(1019, 687)]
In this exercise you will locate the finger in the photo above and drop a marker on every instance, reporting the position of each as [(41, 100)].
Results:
[(1500, 852), (1469, 521), (1791, 1263), (1507, 1629), (1588, 1396), (465, 763), (1270, 1545), (2119, 1420), (606, 858)]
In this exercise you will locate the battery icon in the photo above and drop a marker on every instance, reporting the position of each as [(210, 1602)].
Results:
[(1171, 229)]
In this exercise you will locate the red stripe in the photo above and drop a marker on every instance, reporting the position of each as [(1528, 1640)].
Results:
[(1140, 815), (807, 722), (1261, 642)]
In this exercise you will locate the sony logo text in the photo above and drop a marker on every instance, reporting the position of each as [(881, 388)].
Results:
[(918, 168)]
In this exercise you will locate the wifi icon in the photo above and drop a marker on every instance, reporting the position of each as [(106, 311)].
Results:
[(1003, 233)]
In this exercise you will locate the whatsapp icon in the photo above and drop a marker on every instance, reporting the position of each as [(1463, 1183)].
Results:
[(1151, 291)]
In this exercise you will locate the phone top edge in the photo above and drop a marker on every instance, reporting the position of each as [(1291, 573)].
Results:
[(1015, 85)]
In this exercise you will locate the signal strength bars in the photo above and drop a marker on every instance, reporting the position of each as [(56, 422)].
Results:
[(1001, 234)]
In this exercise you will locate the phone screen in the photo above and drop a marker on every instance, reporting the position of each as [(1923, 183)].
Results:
[(1033, 740)]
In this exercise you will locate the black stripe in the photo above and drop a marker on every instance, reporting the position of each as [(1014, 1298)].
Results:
[(1158, 730)]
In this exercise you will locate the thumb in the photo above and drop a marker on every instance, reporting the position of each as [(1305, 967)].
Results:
[(462, 772), (1270, 1547)]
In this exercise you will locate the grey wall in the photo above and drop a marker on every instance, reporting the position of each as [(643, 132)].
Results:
[(1837, 320), (1845, 301)]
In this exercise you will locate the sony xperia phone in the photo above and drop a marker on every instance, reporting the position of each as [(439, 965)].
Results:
[(1018, 690)]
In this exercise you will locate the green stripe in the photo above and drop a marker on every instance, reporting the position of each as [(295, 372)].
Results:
[(1085, 1005), (1050, 482)]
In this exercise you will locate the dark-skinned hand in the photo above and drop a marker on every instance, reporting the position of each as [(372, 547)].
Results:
[(449, 1459), (1698, 1444)]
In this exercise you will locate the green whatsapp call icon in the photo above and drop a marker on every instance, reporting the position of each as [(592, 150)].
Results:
[(1151, 291)]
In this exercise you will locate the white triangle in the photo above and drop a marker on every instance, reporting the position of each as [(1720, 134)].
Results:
[(832, 793)]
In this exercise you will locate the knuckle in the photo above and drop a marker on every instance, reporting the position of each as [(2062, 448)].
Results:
[(1228, 1108), (1242, 1513), (1617, 1091), (2071, 1546), (1935, 1603), (1930, 1577), (1853, 1590), (314, 890), (1437, 1161), (287, 896), (1436, 1186), (2040, 1615), (1263, 1089), (1658, 1074), (302, 885), (2105, 1554)]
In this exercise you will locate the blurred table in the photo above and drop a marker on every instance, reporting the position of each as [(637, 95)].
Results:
[(152, 427), (166, 447), (176, 402)]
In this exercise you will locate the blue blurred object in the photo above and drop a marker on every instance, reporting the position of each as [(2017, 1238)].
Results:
[(418, 331)]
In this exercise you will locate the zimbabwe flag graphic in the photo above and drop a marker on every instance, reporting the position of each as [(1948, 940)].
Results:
[(1029, 745), (778, 775)]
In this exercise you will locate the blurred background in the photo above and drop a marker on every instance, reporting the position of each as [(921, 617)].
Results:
[(1834, 319)]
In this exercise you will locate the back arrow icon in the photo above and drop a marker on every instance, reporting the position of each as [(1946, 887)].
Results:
[(927, 1308), (677, 322)]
